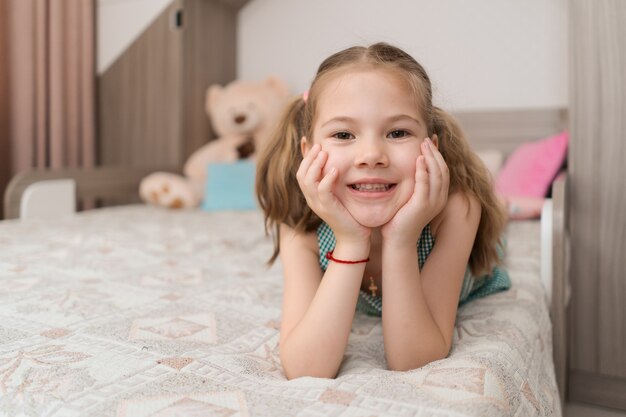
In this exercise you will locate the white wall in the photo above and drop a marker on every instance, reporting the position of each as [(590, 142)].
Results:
[(119, 23), (480, 54)]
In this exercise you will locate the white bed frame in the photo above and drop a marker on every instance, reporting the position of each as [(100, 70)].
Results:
[(51, 193)]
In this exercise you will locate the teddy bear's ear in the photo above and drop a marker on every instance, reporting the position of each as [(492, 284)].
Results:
[(212, 96), (277, 85)]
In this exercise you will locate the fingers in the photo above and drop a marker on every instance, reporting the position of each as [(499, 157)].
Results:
[(315, 170), (422, 185), (325, 187), (438, 157), (437, 170), (307, 161), (434, 170), (310, 169), (433, 157), (317, 188)]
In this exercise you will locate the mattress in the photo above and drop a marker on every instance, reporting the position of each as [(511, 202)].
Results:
[(140, 311)]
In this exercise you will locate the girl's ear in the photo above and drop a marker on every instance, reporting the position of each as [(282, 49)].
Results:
[(435, 140), (304, 146)]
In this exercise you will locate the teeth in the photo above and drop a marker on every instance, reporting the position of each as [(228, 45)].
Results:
[(371, 187)]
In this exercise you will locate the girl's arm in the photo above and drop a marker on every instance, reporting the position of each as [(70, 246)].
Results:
[(419, 308), (317, 313)]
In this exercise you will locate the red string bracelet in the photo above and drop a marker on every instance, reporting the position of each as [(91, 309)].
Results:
[(329, 256)]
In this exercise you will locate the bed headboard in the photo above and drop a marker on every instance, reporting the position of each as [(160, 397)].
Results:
[(505, 130), (500, 130)]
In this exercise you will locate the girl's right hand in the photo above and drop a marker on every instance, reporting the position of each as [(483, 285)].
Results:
[(319, 195)]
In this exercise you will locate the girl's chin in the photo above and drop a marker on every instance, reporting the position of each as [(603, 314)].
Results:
[(372, 220)]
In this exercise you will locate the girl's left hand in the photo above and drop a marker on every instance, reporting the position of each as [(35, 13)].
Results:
[(432, 181)]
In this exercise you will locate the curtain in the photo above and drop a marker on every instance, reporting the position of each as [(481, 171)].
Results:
[(5, 151), (52, 83)]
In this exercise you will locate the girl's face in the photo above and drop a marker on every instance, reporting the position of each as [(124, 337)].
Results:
[(370, 126)]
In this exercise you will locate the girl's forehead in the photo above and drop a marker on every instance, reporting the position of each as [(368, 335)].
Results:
[(386, 88), (339, 79)]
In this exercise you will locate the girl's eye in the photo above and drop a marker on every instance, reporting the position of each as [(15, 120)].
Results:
[(343, 135), (398, 134)]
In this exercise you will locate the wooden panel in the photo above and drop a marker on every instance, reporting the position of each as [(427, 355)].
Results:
[(234, 4), (140, 99), (209, 57), (597, 389), (583, 164), (152, 99), (598, 194), (610, 218)]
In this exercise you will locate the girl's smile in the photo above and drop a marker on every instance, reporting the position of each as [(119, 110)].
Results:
[(372, 188)]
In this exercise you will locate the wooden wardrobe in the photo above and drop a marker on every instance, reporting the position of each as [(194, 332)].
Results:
[(597, 218), (151, 100)]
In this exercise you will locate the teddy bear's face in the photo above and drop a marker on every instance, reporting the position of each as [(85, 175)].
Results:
[(241, 118), (240, 108)]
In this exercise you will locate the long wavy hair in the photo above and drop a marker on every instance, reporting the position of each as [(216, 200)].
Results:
[(278, 191)]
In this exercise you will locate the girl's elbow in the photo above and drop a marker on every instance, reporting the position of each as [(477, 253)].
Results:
[(300, 373), (401, 367), (411, 365), (299, 369), (417, 360)]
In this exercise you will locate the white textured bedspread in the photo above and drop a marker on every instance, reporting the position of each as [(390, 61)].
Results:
[(138, 311)]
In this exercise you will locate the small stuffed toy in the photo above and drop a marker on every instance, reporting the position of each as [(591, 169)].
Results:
[(243, 114)]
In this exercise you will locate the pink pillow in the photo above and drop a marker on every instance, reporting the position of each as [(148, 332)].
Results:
[(529, 171)]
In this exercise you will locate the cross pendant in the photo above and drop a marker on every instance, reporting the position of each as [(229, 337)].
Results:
[(373, 287)]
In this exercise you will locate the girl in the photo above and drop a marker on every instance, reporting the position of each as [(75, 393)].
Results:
[(363, 176)]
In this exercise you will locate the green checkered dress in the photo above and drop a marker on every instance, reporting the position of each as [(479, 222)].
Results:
[(472, 288)]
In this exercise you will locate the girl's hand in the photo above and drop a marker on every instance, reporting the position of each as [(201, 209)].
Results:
[(319, 196), (430, 195)]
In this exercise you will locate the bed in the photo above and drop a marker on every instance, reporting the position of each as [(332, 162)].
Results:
[(139, 311)]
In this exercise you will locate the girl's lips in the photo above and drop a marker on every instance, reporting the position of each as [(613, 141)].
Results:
[(372, 190), (372, 187)]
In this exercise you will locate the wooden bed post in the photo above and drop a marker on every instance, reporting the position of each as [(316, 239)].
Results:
[(560, 288)]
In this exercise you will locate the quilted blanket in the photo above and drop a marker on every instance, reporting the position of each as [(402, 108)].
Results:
[(138, 311)]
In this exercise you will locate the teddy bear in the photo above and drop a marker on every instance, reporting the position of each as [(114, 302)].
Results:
[(243, 115)]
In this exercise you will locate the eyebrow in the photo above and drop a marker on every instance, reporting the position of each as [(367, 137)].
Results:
[(389, 119)]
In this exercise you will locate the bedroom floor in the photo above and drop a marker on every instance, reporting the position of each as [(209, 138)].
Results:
[(587, 410)]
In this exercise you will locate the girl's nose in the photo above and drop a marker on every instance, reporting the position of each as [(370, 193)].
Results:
[(371, 153)]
